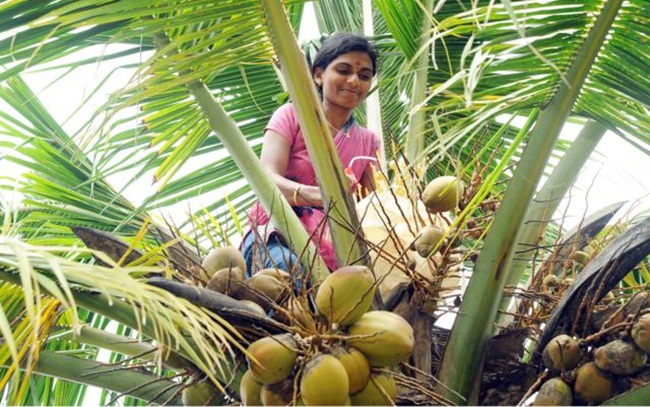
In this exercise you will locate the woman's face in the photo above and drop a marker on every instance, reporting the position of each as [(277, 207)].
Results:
[(346, 80)]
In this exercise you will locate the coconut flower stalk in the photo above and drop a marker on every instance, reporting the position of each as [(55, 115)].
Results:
[(343, 221)]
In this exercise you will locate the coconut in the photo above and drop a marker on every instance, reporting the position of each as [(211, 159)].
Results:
[(592, 385), (620, 357), (250, 390), (254, 307), (264, 290), (271, 359), (554, 392), (442, 194), (356, 365), (561, 353), (281, 275), (278, 394), (345, 295), (228, 281), (581, 257), (430, 238), (222, 258), (324, 382), (200, 394), (641, 332), (383, 337), (380, 391)]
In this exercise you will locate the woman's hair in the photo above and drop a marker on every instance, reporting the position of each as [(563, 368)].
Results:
[(342, 43)]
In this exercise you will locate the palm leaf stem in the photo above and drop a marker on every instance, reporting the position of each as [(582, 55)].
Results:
[(549, 198), (343, 221), (134, 382), (462, 363), (414, 139)]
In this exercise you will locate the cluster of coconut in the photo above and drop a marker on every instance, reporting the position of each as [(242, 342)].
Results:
[(225, 268), (591, 378), (346, 360)]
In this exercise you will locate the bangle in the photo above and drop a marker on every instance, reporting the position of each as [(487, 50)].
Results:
[(295, 195)]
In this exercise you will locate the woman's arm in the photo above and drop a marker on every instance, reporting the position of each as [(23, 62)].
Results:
[(275, 159)]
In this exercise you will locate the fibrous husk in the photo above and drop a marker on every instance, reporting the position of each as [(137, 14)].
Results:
[(222, 258), (592, 385), (442, 194), (356, 365), (324, 382), (641, 332), (346, 294), (380, 391), (561, 353), (620, 357), (384, 338), (199, 394), (554, 392), (250, 390), (271, 359), (228, 281)]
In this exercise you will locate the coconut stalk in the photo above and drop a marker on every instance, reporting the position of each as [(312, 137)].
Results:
[(132, 382), (337, 198), (547, 200), (276, 205), (414, 139), (461, 366)]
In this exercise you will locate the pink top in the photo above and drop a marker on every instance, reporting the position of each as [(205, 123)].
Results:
[(351, 141)]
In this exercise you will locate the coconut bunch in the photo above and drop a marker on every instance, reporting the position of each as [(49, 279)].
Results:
[(225, 271), (592, 375), (344, 358), (394, 221)]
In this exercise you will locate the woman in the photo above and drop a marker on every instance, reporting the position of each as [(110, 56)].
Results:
[(342, 70)]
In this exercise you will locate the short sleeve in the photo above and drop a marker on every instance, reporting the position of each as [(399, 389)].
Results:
[(284, 122)]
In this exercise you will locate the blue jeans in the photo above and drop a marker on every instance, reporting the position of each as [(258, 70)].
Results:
[(275, 254)]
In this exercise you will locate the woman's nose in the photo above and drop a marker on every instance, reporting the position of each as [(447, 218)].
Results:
[(353, 79)]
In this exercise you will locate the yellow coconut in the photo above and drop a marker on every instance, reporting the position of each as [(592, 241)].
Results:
[(380, 391), (442, 194), (324, 382), (561, 353), (250, 390), (228, 281), (278, 394), (430, 238), (200, 394), (641, 332), (222, 258), (592, 385), (271, 359), (383, 337), (581, 257), (356, 365), (346, 294), (620, 358), (554, 392)]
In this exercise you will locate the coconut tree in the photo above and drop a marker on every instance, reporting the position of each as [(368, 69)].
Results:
[(210, 69)]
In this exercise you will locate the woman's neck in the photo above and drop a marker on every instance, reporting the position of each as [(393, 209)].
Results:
[(336, 117)]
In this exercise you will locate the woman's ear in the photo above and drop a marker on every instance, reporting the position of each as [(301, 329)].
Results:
[(318, 77)]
